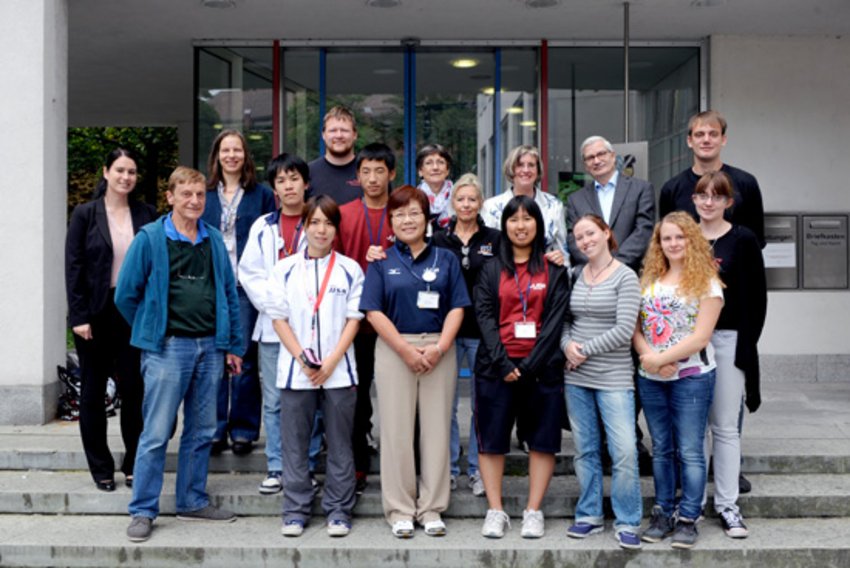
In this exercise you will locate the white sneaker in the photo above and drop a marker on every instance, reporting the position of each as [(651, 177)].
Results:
[(403, 529), (477, 485), (532, 524), (494, 523), (271, 484), (292, 528), (435, 528)]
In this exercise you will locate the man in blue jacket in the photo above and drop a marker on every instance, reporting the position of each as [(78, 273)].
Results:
[(177, 291)]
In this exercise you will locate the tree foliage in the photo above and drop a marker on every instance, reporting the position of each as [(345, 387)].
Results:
[(156, 148)]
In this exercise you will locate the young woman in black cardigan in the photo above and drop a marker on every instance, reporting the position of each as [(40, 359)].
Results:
[(520, 303), (741, 268), (99, 234)]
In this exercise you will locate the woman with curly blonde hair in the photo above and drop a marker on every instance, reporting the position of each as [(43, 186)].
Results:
[(681, 300)]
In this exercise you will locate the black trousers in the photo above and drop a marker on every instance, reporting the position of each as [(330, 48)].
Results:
[(364, 354), (109, 354)]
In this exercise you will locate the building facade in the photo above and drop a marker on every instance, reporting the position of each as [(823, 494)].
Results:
[(479, 76)]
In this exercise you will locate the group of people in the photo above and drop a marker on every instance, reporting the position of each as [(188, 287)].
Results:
[(285, 302)]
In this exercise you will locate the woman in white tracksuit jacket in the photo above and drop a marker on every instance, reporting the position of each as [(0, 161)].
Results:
[(273, 237), (313, 298)]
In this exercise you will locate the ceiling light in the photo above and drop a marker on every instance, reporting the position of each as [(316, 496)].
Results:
[(218, 3), (217, 126), (383, 3), (528, 123), (464, 63), (255, 137), (514, 110)]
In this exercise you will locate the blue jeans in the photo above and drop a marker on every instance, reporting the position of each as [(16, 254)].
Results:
[(468, 348), (677, 415), (617, 409), (271, 412), (187, 370), (268, 353), (241, 393)]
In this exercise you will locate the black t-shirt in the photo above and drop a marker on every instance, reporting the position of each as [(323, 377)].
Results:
[(191, 289), (747, 211), (338, 182)]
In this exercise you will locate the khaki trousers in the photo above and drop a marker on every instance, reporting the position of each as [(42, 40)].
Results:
[(400, 394)]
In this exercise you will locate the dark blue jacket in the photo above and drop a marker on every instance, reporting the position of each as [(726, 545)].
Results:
[(255, 203)]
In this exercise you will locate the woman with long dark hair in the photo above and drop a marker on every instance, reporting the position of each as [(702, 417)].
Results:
[(99, 235), (521, 299), (234, 201)]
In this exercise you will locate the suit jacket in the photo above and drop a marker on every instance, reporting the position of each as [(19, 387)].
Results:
[(632, 218), (88, 257)]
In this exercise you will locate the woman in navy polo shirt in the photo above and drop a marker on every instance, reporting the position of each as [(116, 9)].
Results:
[(414, 298), (521, 301)]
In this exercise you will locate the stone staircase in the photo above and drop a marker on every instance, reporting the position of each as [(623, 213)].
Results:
[(797, 456)]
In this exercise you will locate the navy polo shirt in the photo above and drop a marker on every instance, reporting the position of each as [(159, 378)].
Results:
[(392, 286)]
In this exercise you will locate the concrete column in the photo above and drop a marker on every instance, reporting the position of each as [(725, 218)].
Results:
[(33, 122)]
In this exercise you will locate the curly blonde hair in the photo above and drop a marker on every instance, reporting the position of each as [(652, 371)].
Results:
[(699, 266)]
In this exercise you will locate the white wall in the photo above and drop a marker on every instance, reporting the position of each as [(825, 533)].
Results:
[(33, 94), (787, 101)]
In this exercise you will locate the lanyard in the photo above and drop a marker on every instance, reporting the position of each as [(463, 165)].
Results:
[(287, 250), (523, 299), (377, 239), (317, 301)]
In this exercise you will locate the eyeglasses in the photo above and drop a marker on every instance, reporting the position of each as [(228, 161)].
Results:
[(705, 198), (464, 261), (412, 215), (435, 162), (596, 156)]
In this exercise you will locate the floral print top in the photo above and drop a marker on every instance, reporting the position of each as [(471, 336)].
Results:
[(666, 318)]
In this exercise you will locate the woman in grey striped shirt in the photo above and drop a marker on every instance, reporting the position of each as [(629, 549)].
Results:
[(604, 307)]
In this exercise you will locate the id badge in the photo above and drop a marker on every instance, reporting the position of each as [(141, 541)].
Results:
[(525, 330), (428, 300)]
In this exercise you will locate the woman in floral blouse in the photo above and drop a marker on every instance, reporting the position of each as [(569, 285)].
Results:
[(681, 300)]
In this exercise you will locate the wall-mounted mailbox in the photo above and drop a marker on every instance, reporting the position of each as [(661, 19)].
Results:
[(825, 252), (781, 252)]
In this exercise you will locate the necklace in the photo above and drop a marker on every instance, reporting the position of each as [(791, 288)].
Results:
[(593, 281), (595, 277)]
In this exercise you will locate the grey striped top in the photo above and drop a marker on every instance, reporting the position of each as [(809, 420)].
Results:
[(603, 322)]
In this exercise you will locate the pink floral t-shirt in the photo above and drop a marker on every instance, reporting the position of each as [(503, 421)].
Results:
[(666, 318)]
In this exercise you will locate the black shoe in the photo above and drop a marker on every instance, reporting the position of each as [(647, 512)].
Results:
[(242, 448), (128, 481), (360, 485), (744, 485), (107, 485), (218, 446)]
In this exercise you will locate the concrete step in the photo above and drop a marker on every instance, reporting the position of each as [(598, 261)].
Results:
[(36, 540), (64, 493), (64, 452)]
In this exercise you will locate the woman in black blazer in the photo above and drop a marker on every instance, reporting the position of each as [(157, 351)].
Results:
[(99, 234)]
